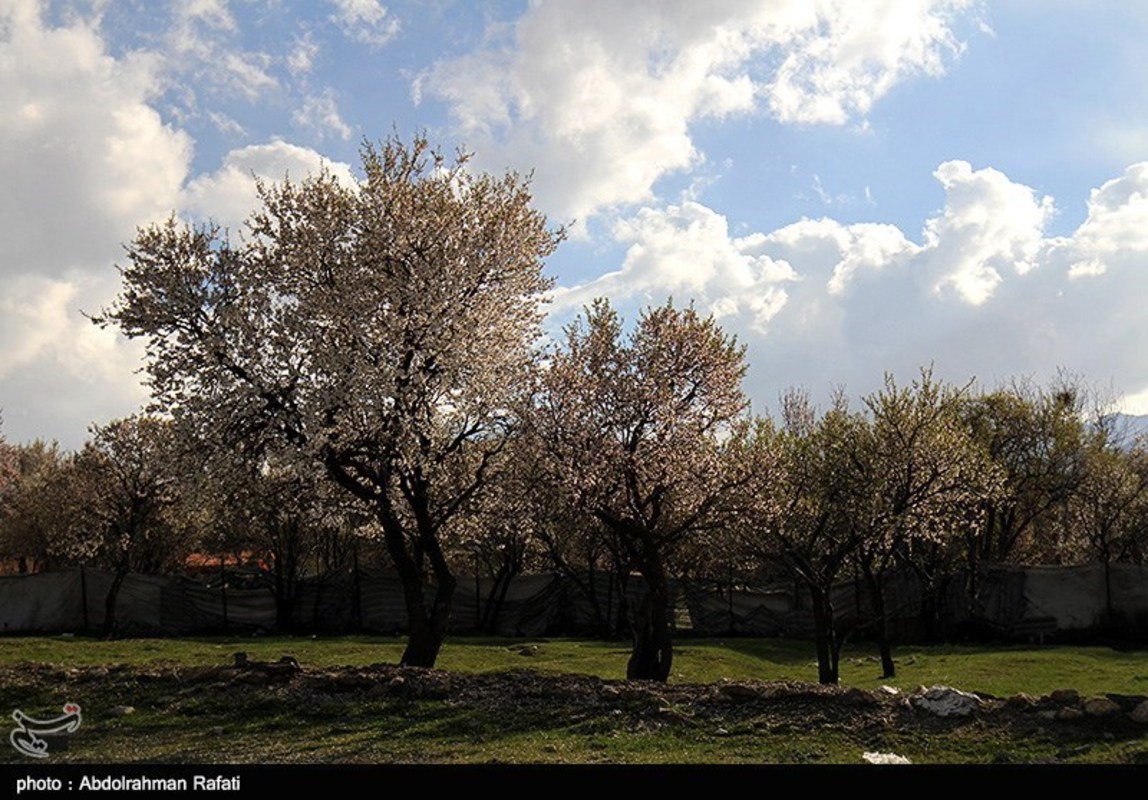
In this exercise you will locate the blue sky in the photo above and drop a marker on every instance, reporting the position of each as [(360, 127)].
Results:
[(851, 187)]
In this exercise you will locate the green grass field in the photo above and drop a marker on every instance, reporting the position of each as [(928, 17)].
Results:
[(999, 670), (175, 722)]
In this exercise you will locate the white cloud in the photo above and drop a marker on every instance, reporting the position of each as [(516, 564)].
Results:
[(366, 21), (841, 57), (225, 124), (686, 251), (990, 226), (200, 48), (1117, 217), (213, 13), (301, 59), (983, 293), (228, 195), (85, 159), (603, 94), (320, 113), (246, 74), (32, 316)]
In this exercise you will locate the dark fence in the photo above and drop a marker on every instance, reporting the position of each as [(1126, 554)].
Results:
[(1005, 602)]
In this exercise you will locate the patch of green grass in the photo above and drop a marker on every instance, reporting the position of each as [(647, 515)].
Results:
[(998, 670), (175, 723)]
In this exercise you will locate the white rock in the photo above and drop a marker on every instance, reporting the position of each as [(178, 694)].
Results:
[(945, 701), (884, 758), (1140, 713)]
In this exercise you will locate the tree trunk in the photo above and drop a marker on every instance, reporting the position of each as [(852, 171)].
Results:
[(110, 601), (652, 655), (1108, 622), (496, 599), (284, 591), (426, 626), (881, 621), (824, 635)]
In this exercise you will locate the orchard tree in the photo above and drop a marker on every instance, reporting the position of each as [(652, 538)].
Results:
[(1111, 507), (633, 428), (31, 513), (377, 329), (121, 493), (792, 511), (1038, 438), (918, 481), (279, 507), (8, 473), (576, 545)]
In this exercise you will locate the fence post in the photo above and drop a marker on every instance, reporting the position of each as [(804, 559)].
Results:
[(356, 589), (84, 595), (729, 602), (223, 590)]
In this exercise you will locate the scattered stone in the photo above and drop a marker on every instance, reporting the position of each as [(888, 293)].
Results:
[(1140, 713), (1072, 752), (1021, 701), (349, 682), (884, 758), (610, 692), (1065, 697), (889, 690), (1127, 702), (739, 691), (1100, 707), (251, 678), (945, 701), (859, 697), (122, 711), (721, 732), (1068, 714)]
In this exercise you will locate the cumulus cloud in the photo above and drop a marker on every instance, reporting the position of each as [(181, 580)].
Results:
[(85, 159), (990, 226), (605, 94), (83, 154), (838, 58), (687, 251), (983, 292), (1117, 220), (228, 195)]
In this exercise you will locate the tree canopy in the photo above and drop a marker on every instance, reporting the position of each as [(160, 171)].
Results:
[(376, 328), (632, 427)]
